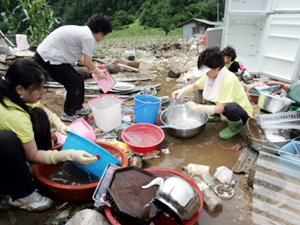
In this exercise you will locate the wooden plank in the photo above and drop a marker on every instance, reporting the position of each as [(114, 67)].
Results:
[(128, 68), (126, 62)]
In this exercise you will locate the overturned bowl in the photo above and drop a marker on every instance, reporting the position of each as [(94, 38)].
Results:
[(193, 122)]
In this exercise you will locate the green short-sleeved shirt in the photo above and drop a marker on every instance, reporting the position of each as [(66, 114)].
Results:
[(17, 120), (231, 91)]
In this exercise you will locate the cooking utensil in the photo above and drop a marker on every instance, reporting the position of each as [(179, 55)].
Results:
[(176, 196), (126, 195), (273, 141), (274, 103), (193, 122), (255, 130), (123, 86)]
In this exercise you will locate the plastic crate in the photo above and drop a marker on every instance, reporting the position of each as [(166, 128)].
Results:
[(284, 120)]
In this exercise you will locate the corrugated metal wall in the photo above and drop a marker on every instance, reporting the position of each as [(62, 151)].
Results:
[(276, 198)]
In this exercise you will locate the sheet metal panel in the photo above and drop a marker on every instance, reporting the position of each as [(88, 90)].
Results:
[(276, 198)]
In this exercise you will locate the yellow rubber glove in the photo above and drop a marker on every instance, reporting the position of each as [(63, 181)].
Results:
[(209, 109), (100, 73), (79, 156), (179, 94), (58, 124)]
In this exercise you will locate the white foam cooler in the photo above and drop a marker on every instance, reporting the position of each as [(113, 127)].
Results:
[(106, 110)]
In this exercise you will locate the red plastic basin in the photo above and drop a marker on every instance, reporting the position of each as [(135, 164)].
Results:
[(143, 137), (73, 193), (254, 97), (163, 172)]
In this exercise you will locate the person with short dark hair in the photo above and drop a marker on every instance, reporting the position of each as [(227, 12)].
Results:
[(221, 87), (231, 61), (63, 47), (25, 135)]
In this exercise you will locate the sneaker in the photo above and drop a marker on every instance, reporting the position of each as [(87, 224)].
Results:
[(66, 117), (33, 202), (83, 111)]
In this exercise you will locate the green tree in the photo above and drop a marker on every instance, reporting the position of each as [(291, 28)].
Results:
[(40, 19)]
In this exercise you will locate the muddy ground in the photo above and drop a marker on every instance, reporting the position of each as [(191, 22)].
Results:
[(203, 149)]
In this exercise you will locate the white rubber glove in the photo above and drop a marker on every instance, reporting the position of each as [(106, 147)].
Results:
[(58, 124), (100, 73), (179, 94), (80, 156), (209, 109)]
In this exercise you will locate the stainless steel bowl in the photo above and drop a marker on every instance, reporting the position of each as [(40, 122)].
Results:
[(273, 103), (192, 122), (279, 137)]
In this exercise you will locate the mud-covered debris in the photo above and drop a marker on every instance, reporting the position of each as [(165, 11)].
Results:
[(151, 155)]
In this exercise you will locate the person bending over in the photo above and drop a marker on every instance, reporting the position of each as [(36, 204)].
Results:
[(63, 47)]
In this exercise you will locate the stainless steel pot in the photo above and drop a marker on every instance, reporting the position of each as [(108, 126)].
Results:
[(273, 103), (178, 195), (193, 122)]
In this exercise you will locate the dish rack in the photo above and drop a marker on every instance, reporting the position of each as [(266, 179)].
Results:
[(284, 120)]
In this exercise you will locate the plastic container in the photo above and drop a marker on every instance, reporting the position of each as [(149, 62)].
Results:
[(106, 83), (77, 142), (79, 126), (73, 193), (106, 110), (291, 147), (143, 137), (146, 108), (254, 97)]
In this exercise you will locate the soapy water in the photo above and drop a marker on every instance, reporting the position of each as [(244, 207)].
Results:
[(70, 174), (187, 124)]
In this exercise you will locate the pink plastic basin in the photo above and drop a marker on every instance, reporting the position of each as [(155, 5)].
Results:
[(79, 126)]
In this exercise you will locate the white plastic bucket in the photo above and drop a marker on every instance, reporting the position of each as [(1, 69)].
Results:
[(106, 110)]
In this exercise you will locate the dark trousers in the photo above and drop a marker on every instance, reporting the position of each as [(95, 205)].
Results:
[(70, 79), (15, 178), (234, 112)]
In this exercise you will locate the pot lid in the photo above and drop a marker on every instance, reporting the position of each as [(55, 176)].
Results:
[(295, 91)]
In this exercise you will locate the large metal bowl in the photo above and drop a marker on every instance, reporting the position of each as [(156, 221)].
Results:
[(193, 123), (279, 137), (274, 103)]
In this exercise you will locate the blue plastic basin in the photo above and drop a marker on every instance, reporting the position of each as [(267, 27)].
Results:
[(291, 147), (77, 142)]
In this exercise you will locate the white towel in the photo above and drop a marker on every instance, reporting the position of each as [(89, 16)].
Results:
[(22, 42), (212, 87)]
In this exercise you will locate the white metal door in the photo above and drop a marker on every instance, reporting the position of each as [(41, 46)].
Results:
[(286, 6), (281, 47)]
